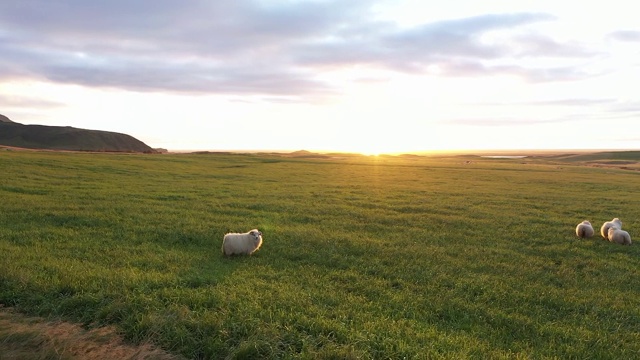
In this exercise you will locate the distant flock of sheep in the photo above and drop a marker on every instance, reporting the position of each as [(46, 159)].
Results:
[(247, 243), (610, 230)]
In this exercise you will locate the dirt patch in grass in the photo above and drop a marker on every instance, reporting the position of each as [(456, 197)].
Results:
[(23, 337)]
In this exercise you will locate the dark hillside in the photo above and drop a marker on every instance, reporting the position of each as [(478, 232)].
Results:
[(66, 138)]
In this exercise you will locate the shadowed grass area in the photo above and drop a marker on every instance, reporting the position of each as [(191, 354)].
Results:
[(363, 257)]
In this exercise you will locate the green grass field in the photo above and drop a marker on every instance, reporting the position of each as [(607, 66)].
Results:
[(363, 257)]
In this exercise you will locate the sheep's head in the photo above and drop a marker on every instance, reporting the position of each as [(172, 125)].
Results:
[(617, 221), (586, 222), (257, 235)]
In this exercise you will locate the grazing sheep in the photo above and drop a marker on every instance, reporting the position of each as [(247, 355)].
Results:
[(604, 230), (241, 244), (584, 230), (619, 236)]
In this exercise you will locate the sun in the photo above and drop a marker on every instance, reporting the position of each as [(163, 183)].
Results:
[(370, 152), (364, 148), (375, 148)]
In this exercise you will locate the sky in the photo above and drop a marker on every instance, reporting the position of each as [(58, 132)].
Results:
[(328, 75)]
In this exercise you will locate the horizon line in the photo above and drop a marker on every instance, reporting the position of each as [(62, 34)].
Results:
[(416, 152)]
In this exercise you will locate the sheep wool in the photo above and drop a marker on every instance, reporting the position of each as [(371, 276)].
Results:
[(584, 230), (619, 236), (241, 244), (604, 230)]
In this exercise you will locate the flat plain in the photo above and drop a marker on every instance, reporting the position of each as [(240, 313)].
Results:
[(413, 257)]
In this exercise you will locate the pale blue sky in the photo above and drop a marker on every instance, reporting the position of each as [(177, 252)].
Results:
[(367, 76)]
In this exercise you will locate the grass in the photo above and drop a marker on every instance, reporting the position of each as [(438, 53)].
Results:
[(363, 257), (23, 337)]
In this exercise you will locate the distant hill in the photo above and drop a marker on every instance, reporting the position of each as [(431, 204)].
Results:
[(632, 156), (66, 138), (4, 119)]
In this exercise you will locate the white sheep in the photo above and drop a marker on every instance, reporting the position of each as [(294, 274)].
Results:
[(619, 236), (604, 230), (241, 244), (584, 230)]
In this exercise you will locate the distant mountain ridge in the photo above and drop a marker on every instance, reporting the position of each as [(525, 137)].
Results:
[(67, 138)]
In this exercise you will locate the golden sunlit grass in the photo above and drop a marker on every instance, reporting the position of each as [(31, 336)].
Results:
[(363, 257), (23, 337)]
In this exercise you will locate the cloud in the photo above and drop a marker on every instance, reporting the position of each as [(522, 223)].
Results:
[(612, 108), (214, 47), (626, 35), (537, 45), (8, 102), (499, 122), (629, 108), (19, 107), (193, 78), (578, 102), (387, 45), (582, 109), (277, 48)]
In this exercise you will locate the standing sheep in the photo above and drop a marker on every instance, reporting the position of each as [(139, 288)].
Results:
[(619, 236), (241, 244), (604, 230), (584, 230)]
